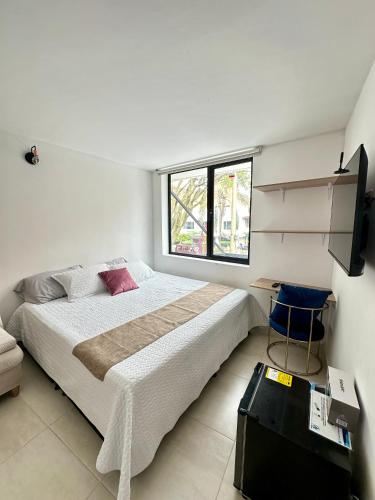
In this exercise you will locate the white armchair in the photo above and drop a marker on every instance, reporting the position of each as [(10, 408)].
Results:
[(11, 357)]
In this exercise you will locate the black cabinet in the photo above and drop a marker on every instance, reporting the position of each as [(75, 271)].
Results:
[(277, 456)]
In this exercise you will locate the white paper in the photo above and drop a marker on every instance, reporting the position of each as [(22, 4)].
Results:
[(319, 421)]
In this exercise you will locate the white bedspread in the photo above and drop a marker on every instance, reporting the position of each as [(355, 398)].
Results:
[(142, 397)]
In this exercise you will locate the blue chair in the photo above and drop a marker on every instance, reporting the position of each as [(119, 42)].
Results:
[(297, 315)]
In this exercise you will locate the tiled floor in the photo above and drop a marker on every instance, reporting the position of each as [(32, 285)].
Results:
[(48, 450)]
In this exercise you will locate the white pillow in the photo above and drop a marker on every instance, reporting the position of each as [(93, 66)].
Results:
[(139, 271), (82, 282), (116, 263)]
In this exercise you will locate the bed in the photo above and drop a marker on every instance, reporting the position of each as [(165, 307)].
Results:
[(142, 397)]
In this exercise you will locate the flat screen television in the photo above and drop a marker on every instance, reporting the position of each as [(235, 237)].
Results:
[(349, 225)]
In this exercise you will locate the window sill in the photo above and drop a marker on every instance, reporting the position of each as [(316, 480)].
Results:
[(205, 261)]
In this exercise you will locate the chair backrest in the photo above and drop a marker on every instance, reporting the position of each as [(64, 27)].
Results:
[(304, 302)]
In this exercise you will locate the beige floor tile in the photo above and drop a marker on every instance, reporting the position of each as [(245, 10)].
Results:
[(45, 469), (39, 393), (18, 424), (296, 357), (111, 481), (218, 403), (100, 493), (189, 464), (256, 343), (74, 430), (240, 364), (320, 378), (31, 369), (227, 490)]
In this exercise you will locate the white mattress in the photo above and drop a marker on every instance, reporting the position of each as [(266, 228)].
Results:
[(142, 397)]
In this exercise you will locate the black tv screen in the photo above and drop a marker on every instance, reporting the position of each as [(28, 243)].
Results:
[(348, 215)]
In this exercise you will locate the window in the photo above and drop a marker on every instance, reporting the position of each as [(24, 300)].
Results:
[(209, 212)]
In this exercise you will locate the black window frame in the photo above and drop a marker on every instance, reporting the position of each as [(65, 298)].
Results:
[(210, 215)]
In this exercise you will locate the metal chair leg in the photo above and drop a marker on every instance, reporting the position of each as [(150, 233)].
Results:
[(299, 345), (308, 358), (310, 337), (311, 352), (286, 354), (269, 327), (287, 339)]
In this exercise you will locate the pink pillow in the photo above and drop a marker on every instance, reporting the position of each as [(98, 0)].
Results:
[(118, 281)]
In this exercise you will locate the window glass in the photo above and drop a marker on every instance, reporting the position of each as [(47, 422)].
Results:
[(188, 217), (209, 212), (232, 187)]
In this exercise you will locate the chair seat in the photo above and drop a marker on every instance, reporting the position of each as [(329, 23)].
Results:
[(10, 359), (7, 342), (300, 334)]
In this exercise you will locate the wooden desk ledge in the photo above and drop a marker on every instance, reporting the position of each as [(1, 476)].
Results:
[(266, 284)]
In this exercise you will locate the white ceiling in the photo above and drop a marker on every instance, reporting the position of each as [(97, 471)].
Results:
[(152, 83)]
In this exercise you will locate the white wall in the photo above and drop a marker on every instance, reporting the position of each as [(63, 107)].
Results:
[(72, 208), (301, 258), (353, 340)]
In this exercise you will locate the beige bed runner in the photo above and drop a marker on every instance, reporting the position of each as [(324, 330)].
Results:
[(102, 352)]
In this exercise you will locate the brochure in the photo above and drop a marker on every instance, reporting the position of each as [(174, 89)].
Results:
[(319, 421)]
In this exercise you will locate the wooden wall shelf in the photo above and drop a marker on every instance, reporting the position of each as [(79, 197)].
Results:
[(306, 183), (266, 284), (298, 231), (290, 231)]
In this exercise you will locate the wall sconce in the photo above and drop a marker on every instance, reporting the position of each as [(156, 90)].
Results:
[(32, 157)]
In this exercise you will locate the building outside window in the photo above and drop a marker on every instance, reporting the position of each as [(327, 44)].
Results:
[(189, 224)]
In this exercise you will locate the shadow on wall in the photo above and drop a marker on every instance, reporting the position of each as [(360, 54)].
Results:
[(9, 303), (361, 469), (331, 338), (370, 250)]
